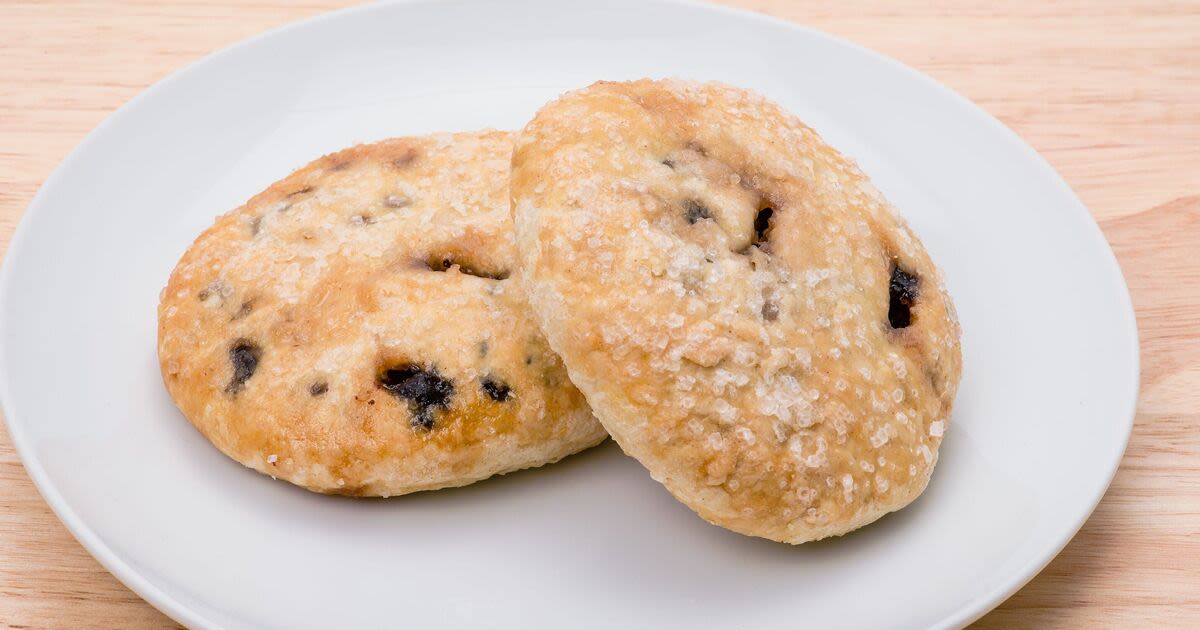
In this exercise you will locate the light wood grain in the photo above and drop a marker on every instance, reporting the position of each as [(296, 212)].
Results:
[(1108, 91)]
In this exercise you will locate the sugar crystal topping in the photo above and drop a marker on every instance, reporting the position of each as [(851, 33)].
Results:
[(759, 341)]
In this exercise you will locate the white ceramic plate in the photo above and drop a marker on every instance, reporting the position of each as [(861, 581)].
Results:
[(1043, 414)]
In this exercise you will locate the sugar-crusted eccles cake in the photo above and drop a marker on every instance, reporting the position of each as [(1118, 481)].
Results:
[(354, 329), (745, 312)]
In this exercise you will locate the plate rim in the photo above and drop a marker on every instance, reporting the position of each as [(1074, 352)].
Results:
[(964, 614)]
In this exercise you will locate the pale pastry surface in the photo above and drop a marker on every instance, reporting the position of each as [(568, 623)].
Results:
[(745, 312)]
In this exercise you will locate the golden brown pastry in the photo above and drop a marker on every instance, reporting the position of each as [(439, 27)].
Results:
[(354, 330)]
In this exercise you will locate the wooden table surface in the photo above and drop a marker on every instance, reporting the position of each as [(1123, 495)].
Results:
[(1107, 90)]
